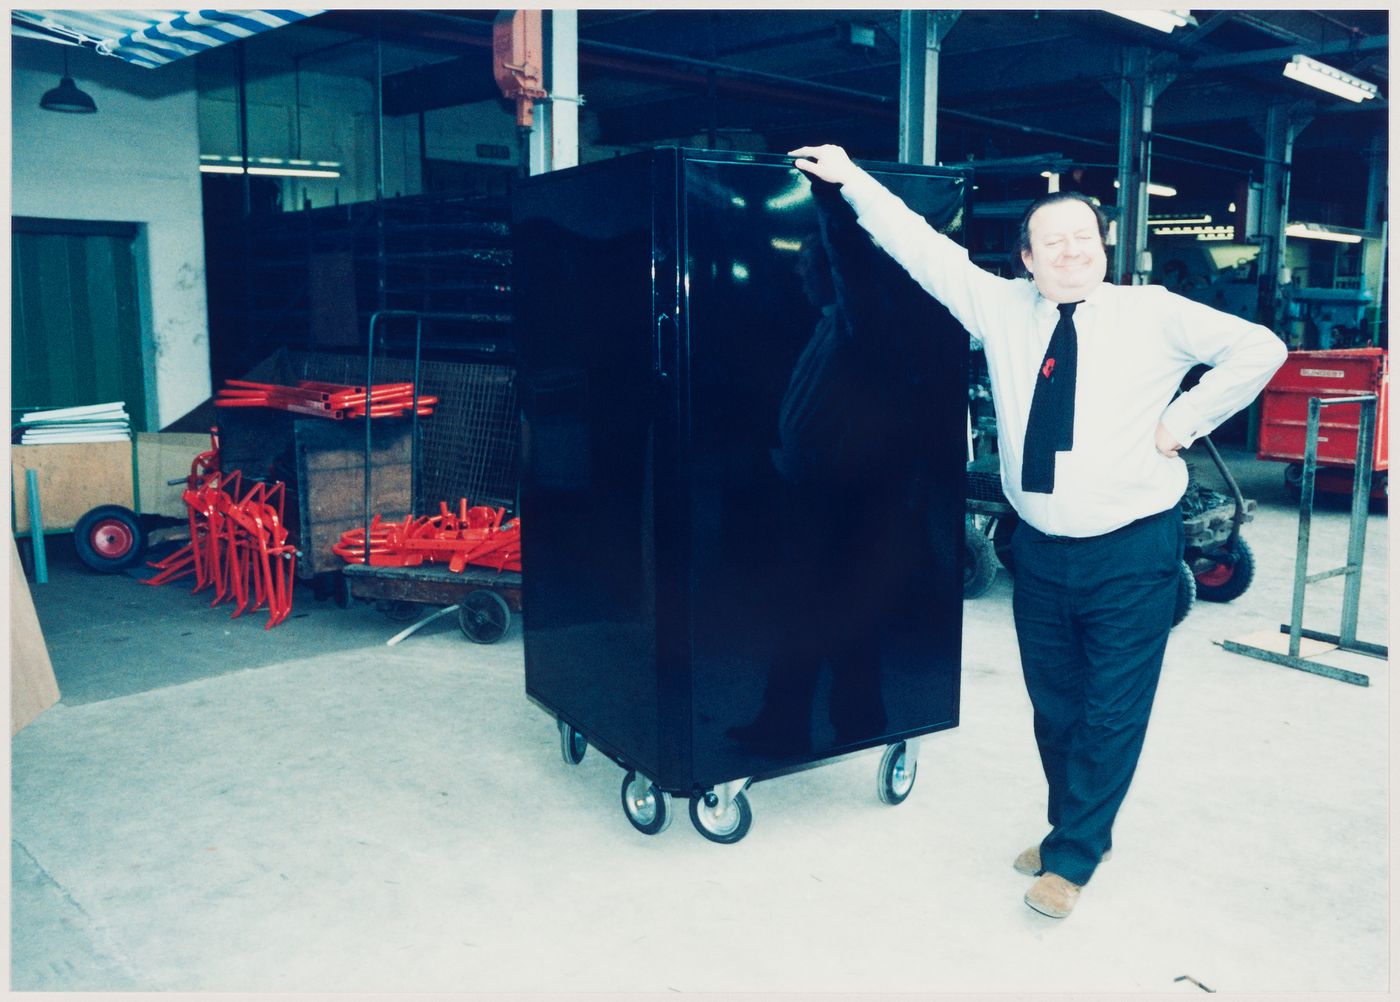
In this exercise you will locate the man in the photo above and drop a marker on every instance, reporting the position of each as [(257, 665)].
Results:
[(1083, 375)]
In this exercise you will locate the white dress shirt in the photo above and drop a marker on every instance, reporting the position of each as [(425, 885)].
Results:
[(1136, 343)]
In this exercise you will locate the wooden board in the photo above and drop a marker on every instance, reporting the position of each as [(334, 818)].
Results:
[(33, 688), (160, 457), (73, 479), (330, 464)]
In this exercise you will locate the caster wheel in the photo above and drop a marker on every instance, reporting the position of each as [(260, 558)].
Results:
[(896, 776), (572, 744), (646, 807), (483, 616), (1293, 481), (1228, 578), (109, 538), (725, 827)]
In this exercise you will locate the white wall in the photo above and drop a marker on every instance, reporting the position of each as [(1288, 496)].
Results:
[(136, 160)]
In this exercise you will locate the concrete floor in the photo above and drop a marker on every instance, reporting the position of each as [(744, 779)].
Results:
[(215, 807)]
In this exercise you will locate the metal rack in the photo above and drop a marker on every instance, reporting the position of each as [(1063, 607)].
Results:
[(1356, 550)]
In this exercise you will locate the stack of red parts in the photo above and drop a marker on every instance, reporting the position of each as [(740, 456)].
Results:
[(477, 535), (238, 542), (327, 400)]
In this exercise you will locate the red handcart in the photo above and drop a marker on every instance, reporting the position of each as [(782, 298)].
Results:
[(1284, 418)]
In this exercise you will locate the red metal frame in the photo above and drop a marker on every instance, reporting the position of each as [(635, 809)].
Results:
[(326, 400), (471, 535), (238, 542)]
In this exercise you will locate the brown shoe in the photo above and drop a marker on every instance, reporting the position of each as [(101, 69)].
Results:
[(1029, 861), (1053, 895)]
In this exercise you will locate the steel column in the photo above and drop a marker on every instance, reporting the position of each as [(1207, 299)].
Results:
[(554, 138), (921, 34)]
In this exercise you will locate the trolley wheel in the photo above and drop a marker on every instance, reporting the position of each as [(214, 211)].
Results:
[(397, 611), (979, 561), (897, 774), (725, 827), (572, 744), (1226, 579), (646, 807), (483, 616), (1293, 481), (1185, 593), (109, 538)]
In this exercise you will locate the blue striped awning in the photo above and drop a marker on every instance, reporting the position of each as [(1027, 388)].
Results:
[(154, 37)]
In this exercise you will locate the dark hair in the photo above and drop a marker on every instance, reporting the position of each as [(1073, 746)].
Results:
[(1023, 239)]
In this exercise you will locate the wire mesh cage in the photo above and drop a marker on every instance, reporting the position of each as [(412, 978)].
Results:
[(469, 445)]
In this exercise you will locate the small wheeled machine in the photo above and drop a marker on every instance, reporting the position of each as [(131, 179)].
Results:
[(1218, 565), (100, 492)]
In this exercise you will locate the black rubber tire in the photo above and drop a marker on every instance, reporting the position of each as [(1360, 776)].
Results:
[(649, 811), (483, 616), (727, 830), (894, 781), (1227, 579), (1001, 540), (109, 538), (979, 561), (1185, 593), (572, 744)]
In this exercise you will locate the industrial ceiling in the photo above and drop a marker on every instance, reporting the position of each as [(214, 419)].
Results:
[(1011, 84)]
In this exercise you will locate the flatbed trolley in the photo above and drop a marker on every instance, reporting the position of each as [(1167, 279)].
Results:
[(485, 599)]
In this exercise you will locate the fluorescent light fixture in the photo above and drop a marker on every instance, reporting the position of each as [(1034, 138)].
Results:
[(1153, 188), (1162, 20), (292, 172), (1314, 231), (269, 166), (1218, 232), (267, 171), (1178, 220), (1309, 71), (785, 244)]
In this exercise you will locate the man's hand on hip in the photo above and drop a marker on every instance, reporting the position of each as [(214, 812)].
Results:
[(1166, 443)]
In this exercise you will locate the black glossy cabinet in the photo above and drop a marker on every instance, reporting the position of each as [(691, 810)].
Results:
[(743, 450)]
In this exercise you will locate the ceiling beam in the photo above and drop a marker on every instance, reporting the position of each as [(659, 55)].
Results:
[(1222, 61)]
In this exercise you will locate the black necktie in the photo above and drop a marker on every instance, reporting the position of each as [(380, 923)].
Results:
[(1050, 428)]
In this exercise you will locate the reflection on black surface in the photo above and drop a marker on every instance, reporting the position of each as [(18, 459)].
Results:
[(824, 384), (818, 460)]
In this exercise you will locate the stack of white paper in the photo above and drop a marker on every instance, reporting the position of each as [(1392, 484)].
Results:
[(89, 423)]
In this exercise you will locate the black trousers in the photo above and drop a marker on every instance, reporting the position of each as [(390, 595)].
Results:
[(1092, 619)]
